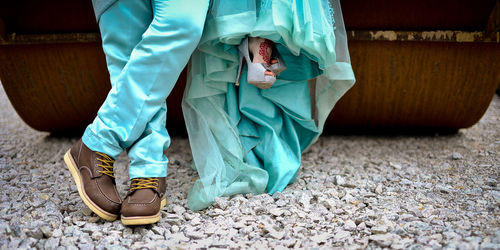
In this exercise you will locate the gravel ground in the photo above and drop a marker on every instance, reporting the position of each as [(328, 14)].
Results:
[(418, 192)]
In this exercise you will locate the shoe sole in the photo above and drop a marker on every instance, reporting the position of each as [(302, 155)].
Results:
[(143, 220), (70, 163)]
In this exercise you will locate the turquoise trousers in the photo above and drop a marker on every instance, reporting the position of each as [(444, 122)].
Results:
[(147, 44)]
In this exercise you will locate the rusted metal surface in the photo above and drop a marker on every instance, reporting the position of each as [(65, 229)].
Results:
[(60, 86), (418, 64), (408, 85), (57, 87)]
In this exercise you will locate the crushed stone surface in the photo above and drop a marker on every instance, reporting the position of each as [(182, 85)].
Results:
[(399, 192)]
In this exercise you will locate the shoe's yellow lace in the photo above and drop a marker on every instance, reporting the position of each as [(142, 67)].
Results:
[(142, 183), (107, 164)]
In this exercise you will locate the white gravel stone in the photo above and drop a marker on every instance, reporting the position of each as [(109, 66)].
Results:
[(379, 189), (86, 211), (490, 246), (276, 211), (349, 225), (277, 234), (361, 226), (178, 209), (195, 234), (321, 238), (381, 229), (221, 202), (339, 180), (341, 236), (384, 240), (456, 156), (401, 244), (352, 192)]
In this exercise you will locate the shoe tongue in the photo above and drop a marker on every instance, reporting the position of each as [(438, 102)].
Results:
[(145, 195)]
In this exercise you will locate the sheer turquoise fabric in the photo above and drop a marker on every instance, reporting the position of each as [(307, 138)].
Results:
[(249, 140)]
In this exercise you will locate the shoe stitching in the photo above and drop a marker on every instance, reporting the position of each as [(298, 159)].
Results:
[(143, 203), (103, 194), (79, 151)]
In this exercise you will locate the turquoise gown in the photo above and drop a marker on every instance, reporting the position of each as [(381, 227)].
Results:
[(250, 140)]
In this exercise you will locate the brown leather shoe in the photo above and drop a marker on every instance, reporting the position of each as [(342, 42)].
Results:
[(144, 201), (95, 180)]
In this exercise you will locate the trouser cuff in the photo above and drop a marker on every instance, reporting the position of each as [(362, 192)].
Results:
[(94, 143)]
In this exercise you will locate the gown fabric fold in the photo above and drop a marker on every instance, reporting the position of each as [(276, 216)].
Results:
[(249, 140)]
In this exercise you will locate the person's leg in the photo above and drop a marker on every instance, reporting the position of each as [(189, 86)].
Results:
[(121, 30), (119, 39), (153, 68), (147, 79), (93, 169), (148, 151)]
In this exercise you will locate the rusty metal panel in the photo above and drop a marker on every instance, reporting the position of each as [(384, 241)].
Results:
[(419, 64), (412, 84), (60, 86), (403, 84), (54, 87)]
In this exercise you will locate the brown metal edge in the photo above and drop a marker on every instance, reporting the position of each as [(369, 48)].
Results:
[(360, 35), (23, 39), (2, 31), (426, 36), (494, 20)]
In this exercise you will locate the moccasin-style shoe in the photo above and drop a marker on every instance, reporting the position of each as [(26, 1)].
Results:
[(144, 201), (95, 180)]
